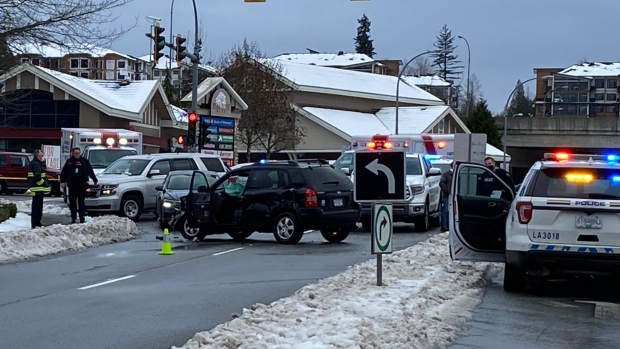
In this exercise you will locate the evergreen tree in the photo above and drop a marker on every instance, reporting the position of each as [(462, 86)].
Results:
[(363, 42), (481, 121), (171, 93), (446, 62), (520, 103)]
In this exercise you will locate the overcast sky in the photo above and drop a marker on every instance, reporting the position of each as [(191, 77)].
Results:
[(508, 38)]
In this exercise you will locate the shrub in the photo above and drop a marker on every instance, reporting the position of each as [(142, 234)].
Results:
[(5, 213)]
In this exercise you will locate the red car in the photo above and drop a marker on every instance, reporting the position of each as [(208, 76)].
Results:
[(14, 174)]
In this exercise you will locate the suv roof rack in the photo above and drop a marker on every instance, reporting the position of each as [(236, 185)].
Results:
[(293, 162)]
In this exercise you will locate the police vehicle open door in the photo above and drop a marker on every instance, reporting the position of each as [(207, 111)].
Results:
[(479, 207)]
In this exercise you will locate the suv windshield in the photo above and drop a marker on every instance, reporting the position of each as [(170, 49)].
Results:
[(578, 183), (102, 158), (182, 181), (130, 167), (413, 167)]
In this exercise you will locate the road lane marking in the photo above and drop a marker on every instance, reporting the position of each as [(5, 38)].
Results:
[(107, 282), (228, 251)]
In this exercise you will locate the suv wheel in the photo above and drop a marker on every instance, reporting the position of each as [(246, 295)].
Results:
[(335, 236), (240, 235), (286, 230), (423, 223), (514, 278), (188, 232), (131, 207)]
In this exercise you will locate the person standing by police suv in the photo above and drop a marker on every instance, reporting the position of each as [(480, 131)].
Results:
[(39, 186), (74, 175)]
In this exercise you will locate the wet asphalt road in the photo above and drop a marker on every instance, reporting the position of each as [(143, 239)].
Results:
[(159, 301)]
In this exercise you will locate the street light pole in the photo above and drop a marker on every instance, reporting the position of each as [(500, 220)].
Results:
[(195, 61), (506, 116), (170, 54), (398, 84), (468, 70)]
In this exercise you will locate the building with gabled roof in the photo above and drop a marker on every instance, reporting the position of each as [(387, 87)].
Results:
[(41, 101)]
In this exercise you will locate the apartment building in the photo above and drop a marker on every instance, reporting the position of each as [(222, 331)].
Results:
[(589, 89), (84, 61), (181, 77)]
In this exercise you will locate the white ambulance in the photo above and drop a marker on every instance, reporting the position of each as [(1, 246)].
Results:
[(101, 146)]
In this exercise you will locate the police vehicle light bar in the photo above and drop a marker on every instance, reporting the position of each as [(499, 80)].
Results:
[(560, 157)]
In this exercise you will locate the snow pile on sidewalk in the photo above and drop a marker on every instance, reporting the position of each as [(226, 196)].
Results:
[(20, 245), (427, 299), (26, 206)]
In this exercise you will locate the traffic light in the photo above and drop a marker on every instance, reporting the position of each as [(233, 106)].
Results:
[(192, 119), (159, 42), (180, 49)]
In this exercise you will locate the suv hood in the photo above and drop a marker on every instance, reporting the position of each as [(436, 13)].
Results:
[(175, 195), (117, 178), (415, 180)]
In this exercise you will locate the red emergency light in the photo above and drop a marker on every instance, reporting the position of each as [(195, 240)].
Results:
[(441, 144)]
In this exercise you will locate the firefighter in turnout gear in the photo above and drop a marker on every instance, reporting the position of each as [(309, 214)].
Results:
[(39, 186)]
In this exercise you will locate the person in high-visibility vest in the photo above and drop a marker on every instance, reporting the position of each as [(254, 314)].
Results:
[(37, 180)]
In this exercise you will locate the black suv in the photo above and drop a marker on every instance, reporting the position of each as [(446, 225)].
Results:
[(283, 197)]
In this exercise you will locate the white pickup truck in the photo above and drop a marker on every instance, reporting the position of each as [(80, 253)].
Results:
[(423, 198)]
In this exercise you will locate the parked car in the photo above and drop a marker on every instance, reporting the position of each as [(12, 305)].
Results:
[(127, 186), (168, 201), (14, 174), (282, 197)]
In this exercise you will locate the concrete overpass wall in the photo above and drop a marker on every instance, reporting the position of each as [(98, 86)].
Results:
[(529, 138)]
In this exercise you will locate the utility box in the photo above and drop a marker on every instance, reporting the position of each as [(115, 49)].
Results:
[(470, 147)]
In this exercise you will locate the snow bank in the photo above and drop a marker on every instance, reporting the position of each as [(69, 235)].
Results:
[(20, 245), (25, 206), (427, 300)]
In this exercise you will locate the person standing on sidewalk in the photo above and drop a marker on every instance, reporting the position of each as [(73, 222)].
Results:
[(74, 175), (39, 186), (445, 183)]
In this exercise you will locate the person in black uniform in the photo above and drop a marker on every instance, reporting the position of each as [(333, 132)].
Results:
[(487, 186), (39, 186), (75, 175)]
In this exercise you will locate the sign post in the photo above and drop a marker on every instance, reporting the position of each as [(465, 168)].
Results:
[(379, 180)]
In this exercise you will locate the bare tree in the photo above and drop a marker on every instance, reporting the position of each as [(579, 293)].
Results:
[(419, 67), (270, 122), (66, 23), (206, 56), (475, 94), (583, 60)]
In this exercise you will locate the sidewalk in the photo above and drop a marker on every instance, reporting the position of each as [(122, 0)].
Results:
[(49, 219)]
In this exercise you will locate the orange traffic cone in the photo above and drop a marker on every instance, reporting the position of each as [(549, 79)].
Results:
[(166, 249)]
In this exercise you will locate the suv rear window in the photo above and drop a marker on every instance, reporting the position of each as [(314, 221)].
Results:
[(578, 183), (213, 164), (326, 177)]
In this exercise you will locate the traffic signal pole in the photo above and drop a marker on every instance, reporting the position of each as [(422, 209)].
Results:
[(195, 61), (160, 42)]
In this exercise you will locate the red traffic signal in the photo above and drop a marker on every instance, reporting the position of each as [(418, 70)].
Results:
[(180, 140), (192, 118)]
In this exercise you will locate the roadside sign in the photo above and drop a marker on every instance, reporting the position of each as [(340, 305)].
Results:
[(382, 228), (379, 176)]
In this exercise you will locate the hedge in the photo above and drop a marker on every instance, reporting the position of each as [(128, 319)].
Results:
[(7, 211)]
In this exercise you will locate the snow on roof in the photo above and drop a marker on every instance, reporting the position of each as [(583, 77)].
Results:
[(352, 83), (180, 115), (349, 122), (410, 119), (162, 64), (326, 59), (426, 80), (439, 295), (593, 69), (129, 98), (53, 50)]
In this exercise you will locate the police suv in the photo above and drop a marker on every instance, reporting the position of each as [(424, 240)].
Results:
[(564, 219)]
